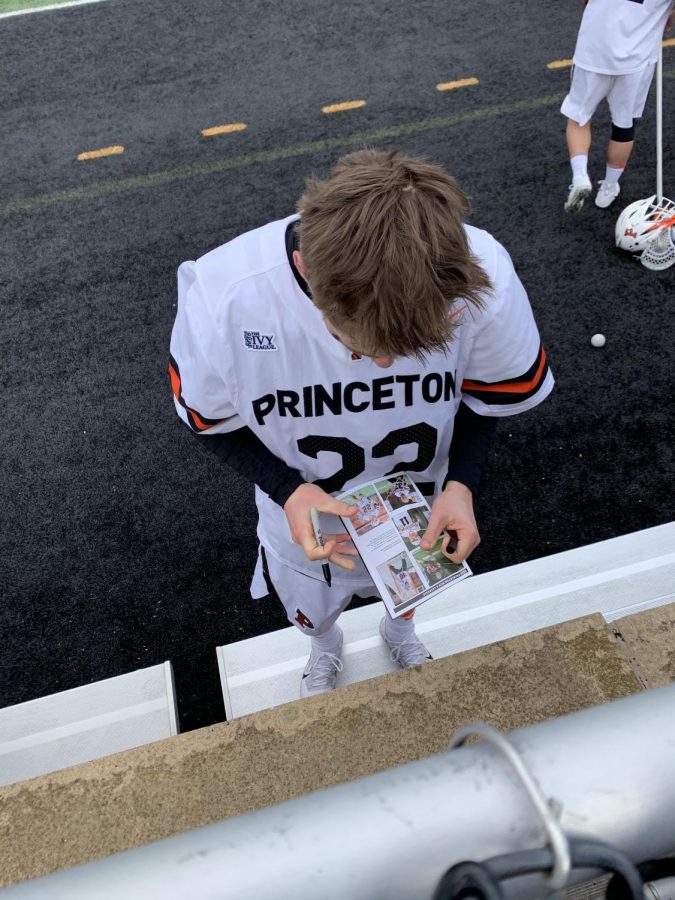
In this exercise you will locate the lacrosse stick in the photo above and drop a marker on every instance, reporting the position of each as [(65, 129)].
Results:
[(644, 227), (659, 253)]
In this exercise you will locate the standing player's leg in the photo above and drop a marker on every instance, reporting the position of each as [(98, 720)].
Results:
[(578, 145), (313, 607), (586, 91), (400, 636), (619, 149), (626, 98)]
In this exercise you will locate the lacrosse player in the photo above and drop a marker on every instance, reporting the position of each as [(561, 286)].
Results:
[(373, 332), (614, 58)]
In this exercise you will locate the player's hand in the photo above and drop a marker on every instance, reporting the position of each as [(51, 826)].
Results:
[(337, 547), (452, 511)]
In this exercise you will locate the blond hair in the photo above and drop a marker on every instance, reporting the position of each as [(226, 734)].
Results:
[(386, 254)]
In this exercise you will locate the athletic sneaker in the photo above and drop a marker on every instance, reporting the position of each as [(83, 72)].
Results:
[(607, 194), (410, 652), (321, 671), (580, 188)]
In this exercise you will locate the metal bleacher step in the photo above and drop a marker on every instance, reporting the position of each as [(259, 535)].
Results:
[(616, 578), (86, 723)]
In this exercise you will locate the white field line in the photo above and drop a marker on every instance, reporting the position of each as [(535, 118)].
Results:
[(37, 9)]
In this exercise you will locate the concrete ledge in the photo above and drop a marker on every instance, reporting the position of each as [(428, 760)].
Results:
[(648, 639), (99, 808)]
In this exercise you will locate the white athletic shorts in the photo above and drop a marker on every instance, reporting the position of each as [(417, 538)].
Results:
[(310, 604), (625, 94)]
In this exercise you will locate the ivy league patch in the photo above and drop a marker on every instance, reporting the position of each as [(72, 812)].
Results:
[(254, 340)]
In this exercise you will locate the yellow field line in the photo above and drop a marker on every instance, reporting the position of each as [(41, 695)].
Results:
[(224, 129), (341, 107), (669, 42), (399, 134), (104, 151), (451, 85)]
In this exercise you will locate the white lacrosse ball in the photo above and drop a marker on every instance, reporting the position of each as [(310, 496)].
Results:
[(598, 340)]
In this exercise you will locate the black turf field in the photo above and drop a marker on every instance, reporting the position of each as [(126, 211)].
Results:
[(122, 543)]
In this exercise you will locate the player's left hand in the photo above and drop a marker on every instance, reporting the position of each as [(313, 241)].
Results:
[(452, 512)]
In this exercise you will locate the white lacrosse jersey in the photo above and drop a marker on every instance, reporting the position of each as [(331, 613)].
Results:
[(618, 37), (249, 348)]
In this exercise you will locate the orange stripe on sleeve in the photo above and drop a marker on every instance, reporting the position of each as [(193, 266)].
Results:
[(197, 422), (175, 382), (514, 387)]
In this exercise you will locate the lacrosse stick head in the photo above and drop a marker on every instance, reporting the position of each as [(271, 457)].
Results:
[(640, 222), (659, 254)]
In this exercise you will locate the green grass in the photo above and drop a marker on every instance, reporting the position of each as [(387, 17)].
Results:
[(7, 6)]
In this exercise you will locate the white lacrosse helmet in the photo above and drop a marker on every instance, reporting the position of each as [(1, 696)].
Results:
[(641, 221)]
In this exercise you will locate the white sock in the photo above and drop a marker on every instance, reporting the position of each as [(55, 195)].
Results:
[(328, 642), (579, 165), (612, 175), (399, 630)]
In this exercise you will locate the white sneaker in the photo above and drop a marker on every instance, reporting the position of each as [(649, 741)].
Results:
[(580, 188), (410, 652), (321, 671), (607, 194)]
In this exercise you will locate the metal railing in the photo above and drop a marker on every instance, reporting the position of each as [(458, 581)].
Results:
[(607, 773)]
